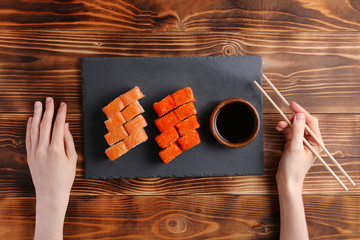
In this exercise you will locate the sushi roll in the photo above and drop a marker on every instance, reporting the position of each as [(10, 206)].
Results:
[(131, 96), (116, 151), (183, 96), (116, 135), (189, 140), (115, 106), (187, 125), (114, 121), (132, 111), (185, 111), (135, 124), (164, 106), (166, 138), (170, 153), (166, 122), (136, 138)]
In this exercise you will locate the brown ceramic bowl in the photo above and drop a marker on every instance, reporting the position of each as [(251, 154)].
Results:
[(248, 109)]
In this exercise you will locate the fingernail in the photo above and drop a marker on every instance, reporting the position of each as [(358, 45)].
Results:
[(67, 126), (62, 104), (300, 117), (30, 120), (48, 99), (37, 104)]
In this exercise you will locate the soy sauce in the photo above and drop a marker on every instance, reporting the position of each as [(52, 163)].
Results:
[(235, 122)]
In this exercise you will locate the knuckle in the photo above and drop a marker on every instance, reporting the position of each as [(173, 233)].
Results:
[(41, 153)]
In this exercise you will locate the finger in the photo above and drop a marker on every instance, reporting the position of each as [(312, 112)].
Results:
[(298, 127), (27, 138), (281, 126), (288, 133), (35, 125), (59, 126), (311, 121), (45, 126), (69, 144)]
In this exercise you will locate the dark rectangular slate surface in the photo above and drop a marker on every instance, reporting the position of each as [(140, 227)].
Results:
[(212, 79)]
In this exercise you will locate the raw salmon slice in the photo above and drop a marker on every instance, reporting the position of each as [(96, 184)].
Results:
[(116, 151), (187, 125), (116, 135), (166, 122), (132, 111), (131, 96), (135, 124), (136, 138), (166, 138), (164, 106), (185, 111), (114, 121), (115, 106), (170, 152), (189, 140), (183, 96)]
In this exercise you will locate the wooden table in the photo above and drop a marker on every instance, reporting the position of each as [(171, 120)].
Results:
[(310, 50)]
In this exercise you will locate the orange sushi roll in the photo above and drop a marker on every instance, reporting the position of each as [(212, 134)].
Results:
[(116, 151), (131, 96), (115, 106), (170, 152), (136, 138), (166, 138), (166, 122), (164, 106), (116, 135), (135, 124), (187, 125), (183, 96), (189, 140), (132, 111), (185, 111), (114, 121)]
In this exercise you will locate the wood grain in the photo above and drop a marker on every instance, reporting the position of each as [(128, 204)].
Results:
[(184, 15), (184, 217), (344, 144), (319, 70)]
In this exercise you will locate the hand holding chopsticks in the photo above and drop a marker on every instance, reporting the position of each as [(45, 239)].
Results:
[(310, 132)]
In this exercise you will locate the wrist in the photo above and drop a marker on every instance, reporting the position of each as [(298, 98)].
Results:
[(289, 188)]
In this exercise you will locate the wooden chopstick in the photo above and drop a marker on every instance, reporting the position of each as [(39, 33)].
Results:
[(312, 133), (307, 144)]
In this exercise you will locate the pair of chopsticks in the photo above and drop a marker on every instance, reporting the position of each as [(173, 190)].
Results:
[(311, 134)]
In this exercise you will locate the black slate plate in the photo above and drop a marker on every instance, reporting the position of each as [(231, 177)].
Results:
[(212, 79)]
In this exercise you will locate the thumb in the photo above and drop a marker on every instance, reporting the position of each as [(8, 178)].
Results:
[(69, 144), (298, 128)]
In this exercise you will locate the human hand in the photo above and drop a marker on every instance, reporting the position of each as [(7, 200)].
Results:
[(51, 156), (297, 159)]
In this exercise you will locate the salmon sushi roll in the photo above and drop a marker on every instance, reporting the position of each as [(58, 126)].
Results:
[(187, 125), (116, 135), (135, 124), (132, 111), (115, 106), (183, 96), (136, 138), (114, 121), (116, 151), (131, 96), (189, 140), (164, 106), (166, 122), (185, 111), (170, 153), (166, 138)]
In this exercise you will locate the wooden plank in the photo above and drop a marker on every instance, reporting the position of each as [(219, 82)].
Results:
[(319, 70), (184, 217), (343, 142), (167, 15)]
